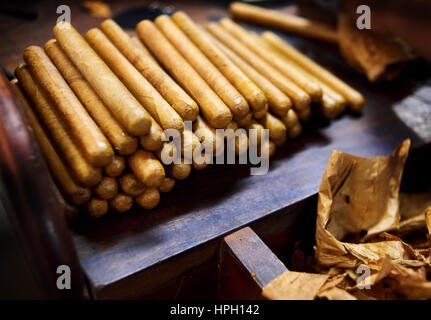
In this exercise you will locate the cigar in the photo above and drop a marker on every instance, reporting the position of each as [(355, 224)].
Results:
[(134, 40), (245, 121), (280, 140), (212, 107), (300, 99), (106, 189), (267, 149), (241, 138), (278, 102), (143, 91), (255, 97), (81, 170), (122, 142), (105, 83), (292, 123), (354, 99), (96, 207), (260, 114), (167, 185), (147, 168), (168, 150), (131, 185), (153, 140), (168, 88), (271, 148), (204, 164), (116, 167), (189, 143), (285, 22), (214, 78), (260, 132), (85, 132), (208, 136), (304, 115), (70, 189), (179, 171), (149, 199), (121, 202), (276, 127)]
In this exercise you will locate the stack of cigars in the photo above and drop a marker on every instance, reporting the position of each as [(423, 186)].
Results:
[(99, 104)]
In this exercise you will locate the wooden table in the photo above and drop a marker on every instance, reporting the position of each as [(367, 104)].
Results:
[(173, 250)]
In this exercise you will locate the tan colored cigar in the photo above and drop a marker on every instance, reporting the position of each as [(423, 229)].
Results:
[(214, 78), (301, 100), (245, 121), (304, 115), (328, 108), (179, 171), (260, 130), (189, 143), (271, 147), (211, 106), (147, 168), (81, 170), (280, 140), (255, 97), (168, 88), (168, 150), (354, 99), (109, 88), (137, 43), (167, 185), (153, 140), (72, 191), (85, 132), (143, 91), (96, 208), (116, 167), (203, 165), (106, 189), (278, 102), (122, 142), (131, 185), (260, 114), (276, 127), (149, 199), (292, 123), (241, 138), (286, 22), (121, 202), (295, 130), (254, 44), (208, 136)]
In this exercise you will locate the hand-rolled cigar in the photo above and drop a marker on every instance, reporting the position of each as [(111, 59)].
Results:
[(260, 114), (268, 146), (85, 132), (168, 88), (135, 40), (108, 87), (116, 167), (121, 202), (200, 165), (96, 207), (106, 189), (81, 170), (241, 138), (153, 140), (208, 136), (304, 115), (260, 132), (169, 151), (211, 106), (272, 147), (213, 77), (149, 199), (167, 185), (245, 121), (122, 142), (280, 140), (292, 123), (70, 189), (147, 168), (354, 99), (131, 185), (189, 143), (286, 22), (255, 97), (295, 130), (143, 91), (278, 101), (253, 43), (300, 99), (179, 171), (275, 126), (328, 108)]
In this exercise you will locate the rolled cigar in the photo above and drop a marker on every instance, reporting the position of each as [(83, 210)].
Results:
[(304, 115), (153, 140), (179, 171), (255, 97), (135, 40), (260, 114), (106, 189), (167, 185), (208, 136), (149, 199), (131, 185), (276, 127), (69, 188), (143, 91), (310, 87), (286, 22), (121, 202), (85, 132), (212, 107), (189, 143), (168, 88), (108, 87), (260, 131), (280, 140), (295, 130), (122, 142), (270, 148), (328, 108), (168, 150), (81, 170), (301, 100), (354, 99), (147, 168), (278, 102), (245, 121), (292, 123), (96, 207), (213, 77), (116, 167), (201, 164), (241, 138)]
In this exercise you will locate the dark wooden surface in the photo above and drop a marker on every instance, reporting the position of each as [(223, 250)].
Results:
[(137, 253)]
